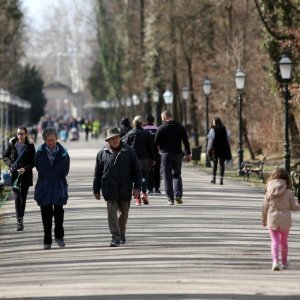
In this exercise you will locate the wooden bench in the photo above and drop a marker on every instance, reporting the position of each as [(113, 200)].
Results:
[(254, 167), (296, 182)]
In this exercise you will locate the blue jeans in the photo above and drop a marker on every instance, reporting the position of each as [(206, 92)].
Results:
[(171, 165)]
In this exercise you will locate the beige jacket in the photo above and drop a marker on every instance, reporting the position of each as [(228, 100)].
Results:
[(278, 203)]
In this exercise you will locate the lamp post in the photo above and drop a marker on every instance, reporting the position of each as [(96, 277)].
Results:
[(155, 98), (136, 103), (206, 91), (285, 66), (185, 96), (168, 97), (240, 83)]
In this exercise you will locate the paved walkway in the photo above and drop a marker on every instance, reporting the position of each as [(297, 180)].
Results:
[(211, 247)]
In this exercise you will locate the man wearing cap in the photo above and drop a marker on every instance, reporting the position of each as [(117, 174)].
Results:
[(117, 172)]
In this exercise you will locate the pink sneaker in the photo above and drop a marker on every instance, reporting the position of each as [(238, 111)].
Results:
[(138, 202), (144, 198)]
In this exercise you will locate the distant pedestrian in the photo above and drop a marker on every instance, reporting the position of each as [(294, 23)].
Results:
[(19, 157), (276, 214), (142, 143), (169, 138), (218, 148), (118, 176), (154, 173), (51, 190), (125, 126)]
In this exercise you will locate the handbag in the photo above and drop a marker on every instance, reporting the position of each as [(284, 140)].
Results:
[(6, 176)]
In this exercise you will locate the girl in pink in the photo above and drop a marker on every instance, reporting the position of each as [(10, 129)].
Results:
[(276, 214)]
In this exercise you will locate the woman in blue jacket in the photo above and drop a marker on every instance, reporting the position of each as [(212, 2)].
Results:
[(51, 191)]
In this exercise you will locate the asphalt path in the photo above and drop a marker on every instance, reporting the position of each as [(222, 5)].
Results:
[(210, 247)]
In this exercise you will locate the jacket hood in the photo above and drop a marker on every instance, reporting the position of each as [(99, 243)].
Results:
[(276, 187)]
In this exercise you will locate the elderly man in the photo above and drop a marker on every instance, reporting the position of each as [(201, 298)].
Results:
[(117, 171), (169, 138)]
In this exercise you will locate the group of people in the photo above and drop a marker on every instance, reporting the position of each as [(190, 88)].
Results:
[(123, 170)]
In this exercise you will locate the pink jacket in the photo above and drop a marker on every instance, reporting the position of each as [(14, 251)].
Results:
[(278, 203)]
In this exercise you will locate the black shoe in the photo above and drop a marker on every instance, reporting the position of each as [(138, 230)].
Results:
[(213, 180), (115, 243), (221, 181), (20, 225), (170, 202), (60, 242), (123, 239)]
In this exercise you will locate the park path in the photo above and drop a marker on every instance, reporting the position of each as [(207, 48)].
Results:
[(211, 247)]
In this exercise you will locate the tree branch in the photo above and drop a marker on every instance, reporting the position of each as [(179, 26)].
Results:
[(271, 32)]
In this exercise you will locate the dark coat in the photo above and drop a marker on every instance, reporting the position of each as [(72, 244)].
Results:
[(26, 161), (221, 147), (170, 136), (117, 174), (51, 186), (142, 143)]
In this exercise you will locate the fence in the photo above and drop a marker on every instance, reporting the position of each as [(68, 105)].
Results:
[(13, 113)]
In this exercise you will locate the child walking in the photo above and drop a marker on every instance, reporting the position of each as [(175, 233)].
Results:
[(276, 214)]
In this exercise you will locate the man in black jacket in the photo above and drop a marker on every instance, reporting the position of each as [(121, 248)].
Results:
[(169, 137), (116, 171)]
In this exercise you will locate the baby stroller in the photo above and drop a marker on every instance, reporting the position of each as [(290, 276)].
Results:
[(74, 134)]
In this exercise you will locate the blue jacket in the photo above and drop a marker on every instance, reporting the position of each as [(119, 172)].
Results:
[(51, 186)]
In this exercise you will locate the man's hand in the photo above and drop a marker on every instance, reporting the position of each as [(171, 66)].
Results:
[(136, 193), (188, 158), (97, 196)]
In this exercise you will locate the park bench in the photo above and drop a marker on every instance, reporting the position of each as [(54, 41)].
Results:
[(254, 167), (296, 182)]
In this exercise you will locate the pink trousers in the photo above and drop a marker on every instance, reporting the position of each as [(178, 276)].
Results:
[(279, 238)]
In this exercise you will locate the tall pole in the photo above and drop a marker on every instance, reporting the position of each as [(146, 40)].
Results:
[(240, 151), (287, 154), (207, 161)]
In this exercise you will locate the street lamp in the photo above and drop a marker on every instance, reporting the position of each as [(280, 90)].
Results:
[(240, 83), (185, 96), (206, 91), (168, 97), (285, 66)]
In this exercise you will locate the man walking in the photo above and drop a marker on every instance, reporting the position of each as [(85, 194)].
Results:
[(169, 138), (117, 171), (142, 143)]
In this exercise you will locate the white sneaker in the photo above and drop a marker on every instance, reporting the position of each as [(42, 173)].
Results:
[(275, 266)]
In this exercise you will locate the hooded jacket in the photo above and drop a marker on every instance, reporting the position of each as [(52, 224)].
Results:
[(51, 186), (278, 203)]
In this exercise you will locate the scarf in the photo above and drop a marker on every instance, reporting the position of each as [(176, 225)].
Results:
[(51, 153)]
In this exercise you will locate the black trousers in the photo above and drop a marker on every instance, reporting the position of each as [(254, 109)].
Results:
[(48, 212), (154, 176), (222, 166), (20, 197)]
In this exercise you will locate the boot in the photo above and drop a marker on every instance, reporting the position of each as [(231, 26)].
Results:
[(20, 225), (213, 180), (221, 180)]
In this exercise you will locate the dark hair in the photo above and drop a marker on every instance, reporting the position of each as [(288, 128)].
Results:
[(49, 131), (281, 173), (217, 122), (150, 119), (23, 128)]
